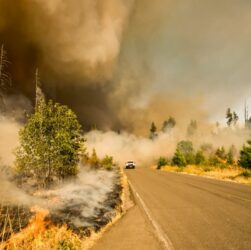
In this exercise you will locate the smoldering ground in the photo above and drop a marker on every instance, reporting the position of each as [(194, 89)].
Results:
[(123, 64), (85, 203)]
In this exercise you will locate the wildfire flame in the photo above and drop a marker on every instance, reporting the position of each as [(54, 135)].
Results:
[(37, 225)]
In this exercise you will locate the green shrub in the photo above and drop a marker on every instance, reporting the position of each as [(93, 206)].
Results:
[(162, 162), (213, 160), (107, 162), (246, 174), (94, 160), (221, 153), (207, 168), (64, 245), (245, 156), (186, 149), (179, 159), (200, 158)]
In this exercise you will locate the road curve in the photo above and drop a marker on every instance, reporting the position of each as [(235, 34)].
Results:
[(188, 212)]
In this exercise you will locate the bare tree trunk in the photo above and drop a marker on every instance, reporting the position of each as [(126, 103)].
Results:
[(3, 77)]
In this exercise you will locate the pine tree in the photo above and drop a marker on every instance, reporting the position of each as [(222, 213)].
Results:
[(229, 117), (168, 125), (192, 128), (230, 158), (94, 160), (153, 131), (245, 155), (235, 118)]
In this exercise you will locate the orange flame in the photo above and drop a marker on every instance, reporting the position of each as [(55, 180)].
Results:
[(37, 225)]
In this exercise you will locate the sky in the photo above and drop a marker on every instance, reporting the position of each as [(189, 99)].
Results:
[(120, 64), (198, 48)]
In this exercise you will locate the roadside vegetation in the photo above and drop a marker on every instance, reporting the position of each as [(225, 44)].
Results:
[(51, 144), (50, 174), (206, 159), (218, 163)]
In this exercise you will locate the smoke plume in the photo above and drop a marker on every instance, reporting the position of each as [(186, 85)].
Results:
[(110, 59), (145, 152)]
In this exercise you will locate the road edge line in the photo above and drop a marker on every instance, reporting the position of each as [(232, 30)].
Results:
[(158, 231)]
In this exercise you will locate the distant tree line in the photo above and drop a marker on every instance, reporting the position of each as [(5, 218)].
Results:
[(185, 154)]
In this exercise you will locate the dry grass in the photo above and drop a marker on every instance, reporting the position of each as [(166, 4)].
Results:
[(231, 173), (40, 234)]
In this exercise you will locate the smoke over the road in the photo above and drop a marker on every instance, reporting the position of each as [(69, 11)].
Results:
[(146, 152)]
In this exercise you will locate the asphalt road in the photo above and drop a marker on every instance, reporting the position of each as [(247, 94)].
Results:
[(185, 212)]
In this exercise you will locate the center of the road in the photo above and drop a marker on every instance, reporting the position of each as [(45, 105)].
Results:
[(158, 230)]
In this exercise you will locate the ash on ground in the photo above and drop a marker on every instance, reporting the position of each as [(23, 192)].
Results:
[(84, 204), (87, 203)]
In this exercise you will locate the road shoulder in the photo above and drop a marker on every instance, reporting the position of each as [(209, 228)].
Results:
[(132, 231)]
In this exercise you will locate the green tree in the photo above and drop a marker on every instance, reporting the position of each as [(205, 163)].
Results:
[(50, 143), (232, 117), (200, 158), (186, 148), (229, 117), (245, 156), (168, 125), (230, 158), (94, 160), (162, 162), (235, 118), (179, 159), (221, 153), (192, 128), (213, 160), (207, 148), (107, 162)]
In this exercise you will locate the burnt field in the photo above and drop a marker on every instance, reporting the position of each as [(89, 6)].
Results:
[(84, 205), (72, 214)]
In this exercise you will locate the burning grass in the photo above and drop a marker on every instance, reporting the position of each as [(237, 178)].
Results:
[(74, 212), (231, 173), (40, 235), (12, 220)]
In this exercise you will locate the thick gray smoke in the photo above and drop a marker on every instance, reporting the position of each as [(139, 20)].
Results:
[(121, 64), (145, 152), (75, 44), (117, 62), (87, 195)]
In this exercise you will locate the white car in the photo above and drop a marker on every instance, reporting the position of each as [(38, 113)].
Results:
[(130, 165)]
